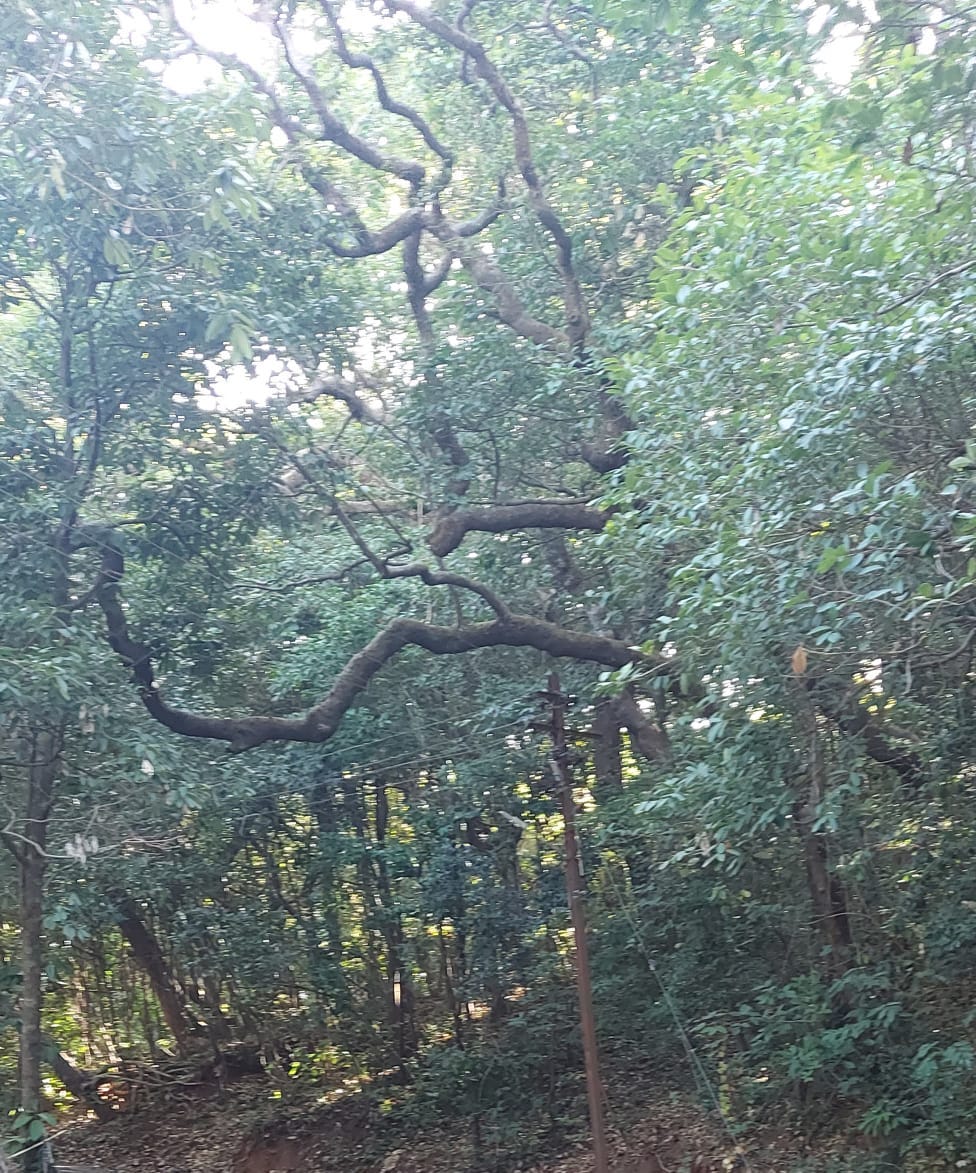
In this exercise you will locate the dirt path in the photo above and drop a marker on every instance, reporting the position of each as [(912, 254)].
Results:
[(252, 1128)]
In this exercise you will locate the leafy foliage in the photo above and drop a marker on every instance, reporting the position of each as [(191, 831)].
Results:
[(346, 394)]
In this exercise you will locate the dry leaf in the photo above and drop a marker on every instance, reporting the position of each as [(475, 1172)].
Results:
[(799, 660)]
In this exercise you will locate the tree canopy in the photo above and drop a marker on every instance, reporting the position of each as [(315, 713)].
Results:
[(365, 363)]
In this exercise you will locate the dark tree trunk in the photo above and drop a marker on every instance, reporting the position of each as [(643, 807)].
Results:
[(79, 1083), (327, 824), (828, 895), (399, 984), (608, 720), (355, 807), (147, 953), (607, 764), (452, 1001)]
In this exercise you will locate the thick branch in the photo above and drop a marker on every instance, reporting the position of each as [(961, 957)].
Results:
[(344, 390), (335, 131), (451, 530), (371, 244), (510, 308), (905, 762), (577, 318), (648, 737), (442, 430), (323, 719), (857, 721)]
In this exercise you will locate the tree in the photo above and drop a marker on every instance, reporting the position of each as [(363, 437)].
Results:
[(620, 336)]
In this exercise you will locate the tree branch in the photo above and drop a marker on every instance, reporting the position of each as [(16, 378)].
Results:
[(344, 390), (450, 531), (577, 316), (320, 722), (510, 307), (442, 431), (363, 61), (333, 130)]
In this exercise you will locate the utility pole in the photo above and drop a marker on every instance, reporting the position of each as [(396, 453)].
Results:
[(562, 772)]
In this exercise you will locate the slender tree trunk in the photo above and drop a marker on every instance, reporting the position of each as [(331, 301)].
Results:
[(79, 1083), (149, 956), (355, 805), (327, 823), (451, 997), (399, 984), (32, 857), (581, 953), (827, 892), (607, 764)]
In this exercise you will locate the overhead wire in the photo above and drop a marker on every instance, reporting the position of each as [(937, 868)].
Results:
[(699, 1072)]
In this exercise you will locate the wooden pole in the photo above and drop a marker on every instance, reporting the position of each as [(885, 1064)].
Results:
[(581, 954)]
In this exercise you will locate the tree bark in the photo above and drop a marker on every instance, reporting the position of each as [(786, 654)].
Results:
[(79, 1083), (451, 530), (145, 949), (399, 984), (320, 722), (575, 893), (827, 893), (607, 763)]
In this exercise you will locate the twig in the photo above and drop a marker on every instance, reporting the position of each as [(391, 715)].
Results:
[(924, 288)]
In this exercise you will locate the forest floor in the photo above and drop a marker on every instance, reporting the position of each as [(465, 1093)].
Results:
[(257, 1127)]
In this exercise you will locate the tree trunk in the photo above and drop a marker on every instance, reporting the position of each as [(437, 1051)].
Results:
[(79, 1083), (607, 764), (399, 984), (827, 893), (608, 719), (32, 857), (355, 807), (327, 824), (147, 953)]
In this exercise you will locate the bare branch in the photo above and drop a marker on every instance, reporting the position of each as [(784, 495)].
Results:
[(478, 224), (442, 431), (335, 131), (371, 244), (320, 722), (919, 290), (344, 390), (363, 61), (511, 310), (450, 531), (577, 316), (447, 578)]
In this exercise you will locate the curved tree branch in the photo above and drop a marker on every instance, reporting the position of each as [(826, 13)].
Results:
[(321, 721), (363, 61), (335, 131), (577, 316), (442, 430), (346, 391), (509, 305), (451, 530)]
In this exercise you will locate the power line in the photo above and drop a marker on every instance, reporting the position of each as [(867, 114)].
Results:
[(701, 1076)]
